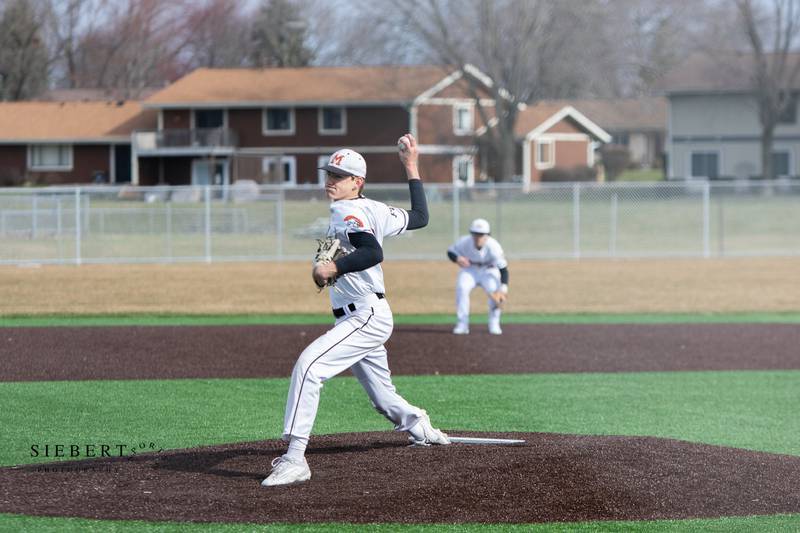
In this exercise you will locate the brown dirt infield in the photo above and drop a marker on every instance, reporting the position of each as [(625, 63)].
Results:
[(159, 352), (375, 477)]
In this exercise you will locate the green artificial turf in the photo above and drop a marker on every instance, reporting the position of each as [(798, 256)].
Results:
[(754, 410), (290, 319), (748, 524)]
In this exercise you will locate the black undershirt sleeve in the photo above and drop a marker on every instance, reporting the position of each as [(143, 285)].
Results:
[(418, 214), (452, 255), (368, 253), (504, 276)]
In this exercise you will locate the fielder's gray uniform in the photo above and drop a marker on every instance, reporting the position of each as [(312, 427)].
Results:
[(356, 340)]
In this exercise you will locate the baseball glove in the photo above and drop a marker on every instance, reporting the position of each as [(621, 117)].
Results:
[(499, 298), (328, 250)]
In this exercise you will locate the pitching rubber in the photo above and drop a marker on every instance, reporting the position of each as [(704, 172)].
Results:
[(477, 440)]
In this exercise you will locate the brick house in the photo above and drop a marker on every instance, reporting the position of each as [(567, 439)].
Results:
[(216, 126), (68, 142), (553, 136)]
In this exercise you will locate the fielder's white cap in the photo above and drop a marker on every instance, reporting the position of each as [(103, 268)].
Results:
[(479, 225), (346, 162)]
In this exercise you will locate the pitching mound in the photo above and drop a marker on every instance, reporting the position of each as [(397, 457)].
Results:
[(375, 477)]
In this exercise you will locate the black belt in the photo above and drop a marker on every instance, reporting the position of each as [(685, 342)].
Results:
[(339, 312)]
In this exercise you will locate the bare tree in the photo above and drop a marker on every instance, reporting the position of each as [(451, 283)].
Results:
[(646, 38), (775, 66), (279, 36), (529, 49), (360, 32), (217, 35), (68, 21), (23, 54), (137, 47)]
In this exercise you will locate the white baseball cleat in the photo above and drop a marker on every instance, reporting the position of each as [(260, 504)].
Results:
[(461, 329), (495, 330), (286, 471), (431, 434)]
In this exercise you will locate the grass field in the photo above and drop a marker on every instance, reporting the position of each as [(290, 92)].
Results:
[(754, 410)]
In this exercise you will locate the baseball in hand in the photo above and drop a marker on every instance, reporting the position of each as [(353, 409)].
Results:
[(402, 144)]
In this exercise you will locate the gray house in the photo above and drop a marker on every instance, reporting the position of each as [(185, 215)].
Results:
[(713, 127)]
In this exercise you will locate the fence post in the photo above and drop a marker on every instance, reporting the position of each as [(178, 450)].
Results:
[(498, 217), (279, 222), (78, 259), (58, 216), (576, 220), (721, 226), (35, 214), (208, 222), (168, 225), (456, 211), (707, 220), (612, 245)]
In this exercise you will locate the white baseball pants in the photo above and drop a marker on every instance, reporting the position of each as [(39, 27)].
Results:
[(356, 341), (468, 279)]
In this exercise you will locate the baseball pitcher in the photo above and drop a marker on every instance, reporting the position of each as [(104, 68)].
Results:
[(483, 264), (348, 262)]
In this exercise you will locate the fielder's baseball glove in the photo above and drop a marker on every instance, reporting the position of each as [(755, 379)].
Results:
[(328, 249), (499, 298)]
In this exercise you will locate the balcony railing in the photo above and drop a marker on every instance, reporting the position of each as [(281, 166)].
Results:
[(198, 138)]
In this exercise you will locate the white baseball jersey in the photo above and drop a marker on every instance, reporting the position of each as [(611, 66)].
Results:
[(362, 215), (489, 256), (356, 340)]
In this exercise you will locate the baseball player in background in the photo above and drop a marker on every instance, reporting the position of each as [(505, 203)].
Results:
[(364, 320), (482, 263)]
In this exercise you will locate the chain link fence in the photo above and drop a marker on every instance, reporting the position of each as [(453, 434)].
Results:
[(270, 223)]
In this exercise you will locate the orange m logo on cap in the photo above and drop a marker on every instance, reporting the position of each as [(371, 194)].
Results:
[(337, 159)]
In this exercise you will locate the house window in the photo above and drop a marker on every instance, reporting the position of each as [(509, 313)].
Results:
[(278, 121), (621, 138), (462, 119), (209, 118), (463, 170), (781, 165), (545, 153), (50, 157), (705, 165), (280, 170), (332, 121)]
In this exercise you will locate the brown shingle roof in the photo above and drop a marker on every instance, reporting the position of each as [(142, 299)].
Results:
[(623, 114), (92, 95), (299, 85), (719, 72), (72, 121), (532, 116)]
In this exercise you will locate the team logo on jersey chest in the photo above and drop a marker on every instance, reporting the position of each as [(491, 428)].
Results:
[(352, 221)]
